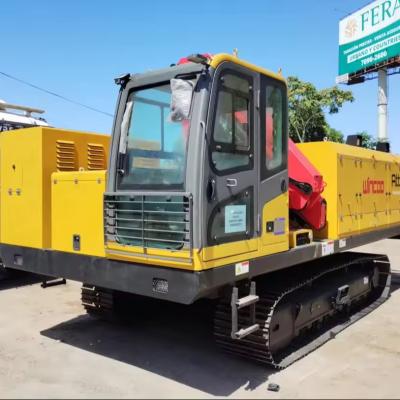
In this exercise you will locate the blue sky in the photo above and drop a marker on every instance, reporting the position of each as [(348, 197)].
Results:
[(76, 48)]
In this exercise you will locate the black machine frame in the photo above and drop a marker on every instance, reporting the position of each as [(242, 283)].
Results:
[(184, 286)]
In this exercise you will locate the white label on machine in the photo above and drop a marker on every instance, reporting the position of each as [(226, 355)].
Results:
[(328, 248), (242, 268), (235, 219), (366, 280), (279, 226), (342, 243)]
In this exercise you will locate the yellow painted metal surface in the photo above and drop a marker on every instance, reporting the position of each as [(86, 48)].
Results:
[(77, 209), (174, 260), (229, 250), (220, 58), (277, 211), (28, 158), (215, 256), (22, 200), (160, 257), (362, 190)]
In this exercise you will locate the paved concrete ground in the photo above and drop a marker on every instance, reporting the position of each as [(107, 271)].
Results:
[(50, 348)]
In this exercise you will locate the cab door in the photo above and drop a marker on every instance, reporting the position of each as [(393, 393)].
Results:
[(273, 191), (231, 176)]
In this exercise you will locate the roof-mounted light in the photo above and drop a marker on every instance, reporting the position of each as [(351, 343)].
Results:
[(122, 80), (196, 58)]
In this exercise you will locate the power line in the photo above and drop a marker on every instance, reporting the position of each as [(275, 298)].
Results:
[(56, 95)]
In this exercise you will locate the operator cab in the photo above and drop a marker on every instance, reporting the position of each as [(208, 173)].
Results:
[(198, 171)]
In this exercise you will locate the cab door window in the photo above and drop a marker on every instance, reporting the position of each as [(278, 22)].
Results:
[(232, 219), (231, 144), (273, 129)]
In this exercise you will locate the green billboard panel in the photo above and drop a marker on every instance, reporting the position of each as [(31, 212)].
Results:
[(369, 36)]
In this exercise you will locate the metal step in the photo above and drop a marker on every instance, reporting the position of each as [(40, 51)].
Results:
[(247, 301), (239, 303), (247, 331)]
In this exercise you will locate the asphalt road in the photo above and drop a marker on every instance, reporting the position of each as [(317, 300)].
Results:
[(49, 347)]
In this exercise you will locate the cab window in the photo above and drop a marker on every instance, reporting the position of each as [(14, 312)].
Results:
[(273, 135), (231, 140), (273, 128)]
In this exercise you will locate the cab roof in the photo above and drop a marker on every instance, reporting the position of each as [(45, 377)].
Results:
[(218, 59)]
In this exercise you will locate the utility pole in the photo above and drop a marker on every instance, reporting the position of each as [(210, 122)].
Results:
[(383, 106)]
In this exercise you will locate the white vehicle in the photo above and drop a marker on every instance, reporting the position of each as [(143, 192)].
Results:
[(14, 116)]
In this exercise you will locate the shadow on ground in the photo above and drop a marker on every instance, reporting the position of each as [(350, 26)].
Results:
[(175, 342), (170, 340), (11, 279)]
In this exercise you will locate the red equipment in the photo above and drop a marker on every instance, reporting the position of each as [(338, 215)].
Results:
[(185, 60), (305, 187)]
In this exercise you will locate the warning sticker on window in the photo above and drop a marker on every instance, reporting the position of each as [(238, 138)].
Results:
[(235, 219), (148, 163)]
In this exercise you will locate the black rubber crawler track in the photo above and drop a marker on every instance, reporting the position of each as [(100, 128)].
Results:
[(98, 302), (276, 289)]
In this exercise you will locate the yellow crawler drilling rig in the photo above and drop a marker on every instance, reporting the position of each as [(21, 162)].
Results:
[(205, 196)]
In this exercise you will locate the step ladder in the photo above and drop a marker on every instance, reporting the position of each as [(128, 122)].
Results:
[(239, 303)]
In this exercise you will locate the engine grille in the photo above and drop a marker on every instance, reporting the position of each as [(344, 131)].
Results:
[(96, 157), (149, 220), (66, 155)]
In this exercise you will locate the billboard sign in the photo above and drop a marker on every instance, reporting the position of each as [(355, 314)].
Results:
[(369, 36)]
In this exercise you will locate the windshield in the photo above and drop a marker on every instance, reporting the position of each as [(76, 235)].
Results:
[(153, 144)]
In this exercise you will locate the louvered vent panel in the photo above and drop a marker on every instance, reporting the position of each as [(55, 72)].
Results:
[(66, 155), (96, 157)]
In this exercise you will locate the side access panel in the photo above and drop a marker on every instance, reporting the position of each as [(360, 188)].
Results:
[(374, 195), (348, 198), (22, 201), (393, 202), (77, 212)]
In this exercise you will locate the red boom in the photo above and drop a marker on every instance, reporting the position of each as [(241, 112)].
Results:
[(305, 187)]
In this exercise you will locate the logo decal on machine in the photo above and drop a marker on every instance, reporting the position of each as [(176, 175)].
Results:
[(396, 180), (373, 186)]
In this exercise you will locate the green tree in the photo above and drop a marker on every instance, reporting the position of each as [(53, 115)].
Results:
[(307, 107), (334, 135), (368, 141)]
